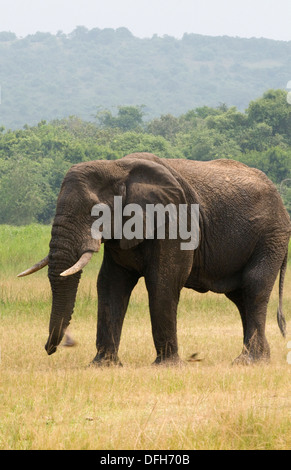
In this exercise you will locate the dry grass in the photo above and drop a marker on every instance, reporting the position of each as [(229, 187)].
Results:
[(58, 402)]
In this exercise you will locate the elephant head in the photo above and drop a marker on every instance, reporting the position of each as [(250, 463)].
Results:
[(141, 180)]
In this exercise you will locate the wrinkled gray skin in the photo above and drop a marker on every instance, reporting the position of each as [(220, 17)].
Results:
[(244, 234)]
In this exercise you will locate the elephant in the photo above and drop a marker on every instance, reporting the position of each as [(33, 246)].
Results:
[(243, 238)]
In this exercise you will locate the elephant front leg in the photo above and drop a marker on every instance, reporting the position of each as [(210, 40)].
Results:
[(164, 281), (114, 287), (163, 310)]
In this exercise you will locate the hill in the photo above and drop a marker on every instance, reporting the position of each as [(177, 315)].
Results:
[(45, 76)]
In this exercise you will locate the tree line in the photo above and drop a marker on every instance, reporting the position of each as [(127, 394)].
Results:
[(34, 159)]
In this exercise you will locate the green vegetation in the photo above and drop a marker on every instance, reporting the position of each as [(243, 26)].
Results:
[(44, 76), (34, 160), (57, 402)]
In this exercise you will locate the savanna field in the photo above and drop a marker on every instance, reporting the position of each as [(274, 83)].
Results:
[(59, 402)]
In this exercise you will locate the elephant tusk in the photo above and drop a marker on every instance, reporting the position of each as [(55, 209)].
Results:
[(36, 267), (81, 263)]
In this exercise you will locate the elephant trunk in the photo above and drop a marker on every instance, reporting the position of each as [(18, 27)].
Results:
[(64, 294)]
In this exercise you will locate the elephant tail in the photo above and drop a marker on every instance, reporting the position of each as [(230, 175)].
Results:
[(280, 315)]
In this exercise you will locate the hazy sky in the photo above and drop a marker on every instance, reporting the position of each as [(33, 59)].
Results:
[(244, 18)]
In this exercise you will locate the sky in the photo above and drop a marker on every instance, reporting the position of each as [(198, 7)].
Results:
[(144, 18)]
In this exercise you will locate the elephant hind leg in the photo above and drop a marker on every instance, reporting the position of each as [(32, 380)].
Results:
[(253, 310)]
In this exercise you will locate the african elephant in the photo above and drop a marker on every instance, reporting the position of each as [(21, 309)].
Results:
[(244, 232)]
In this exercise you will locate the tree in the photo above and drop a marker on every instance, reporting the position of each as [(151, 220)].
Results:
[(285, 191), (207, 144), (229, 122), (130, 142), (167, 126), (21, 198), (273, 110), (6, 36), (275, 162), (128, 118)]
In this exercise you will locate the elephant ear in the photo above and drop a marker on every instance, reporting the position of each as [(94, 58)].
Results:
[(148, 182)]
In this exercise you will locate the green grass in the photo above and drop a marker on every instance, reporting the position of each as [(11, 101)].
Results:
[(58, 402)]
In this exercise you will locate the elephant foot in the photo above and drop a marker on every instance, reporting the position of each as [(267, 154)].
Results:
[(247, 358), (243, 360), (173, 360), (105, 360)]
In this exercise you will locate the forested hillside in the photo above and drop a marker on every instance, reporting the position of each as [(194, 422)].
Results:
[(34, 160), (45, 76)]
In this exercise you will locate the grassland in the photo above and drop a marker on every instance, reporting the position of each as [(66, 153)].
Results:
[(58, 402)]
